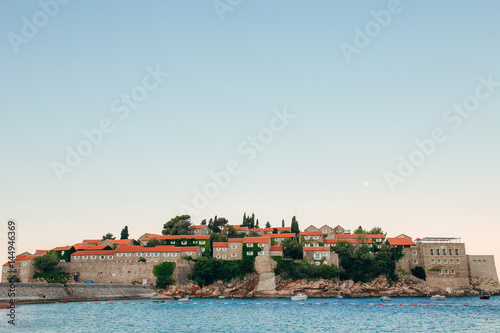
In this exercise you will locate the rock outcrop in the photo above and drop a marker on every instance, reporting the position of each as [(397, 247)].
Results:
[(251, 286), (485, 284)]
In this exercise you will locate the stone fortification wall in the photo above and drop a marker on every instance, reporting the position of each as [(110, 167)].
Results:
[(483, 266), (31, 292)]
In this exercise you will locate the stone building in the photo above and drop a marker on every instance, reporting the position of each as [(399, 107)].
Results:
[(276, 239), (311, 228), (482, 266), (198, 229), (321, 254), (276, 251), (311, 238), (22, 267)]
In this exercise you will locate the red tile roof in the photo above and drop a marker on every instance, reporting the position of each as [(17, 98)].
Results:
[(25, 257), (176, 237), (247, 240), (62, 248), (98, 253), (162, 248), (311, 233), (189, 248), (319, 248), (220, 244), (348, 240), (276, 248), (235, 240), (197, 226), (238, 227), (91, 241), (400, 241), (130, 248), (355, 236), (278, 235), (94, 248), (118, 241), (257, 229)]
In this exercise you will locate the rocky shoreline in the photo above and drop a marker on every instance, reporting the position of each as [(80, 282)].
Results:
[(247, 287)]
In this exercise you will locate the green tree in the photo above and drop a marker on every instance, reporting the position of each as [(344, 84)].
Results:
[(359, 231), (204, 222), (292, 248), (275, 230), (108, 236), (124, 233), (152, 243), (164, 273), (232, 233), (141, 259), (419, 272), (295, 226), (216, 225), (282, 223), (177, 226), (253, 234), (376, 231), (46, 263), (268, 224)]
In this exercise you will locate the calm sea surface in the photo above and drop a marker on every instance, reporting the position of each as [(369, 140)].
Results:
[(254, 315)]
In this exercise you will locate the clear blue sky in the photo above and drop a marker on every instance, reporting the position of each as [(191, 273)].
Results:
[(352, 119)]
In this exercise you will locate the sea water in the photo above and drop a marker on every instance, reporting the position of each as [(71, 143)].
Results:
[(401, 314)]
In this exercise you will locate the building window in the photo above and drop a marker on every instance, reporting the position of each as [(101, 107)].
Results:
[(184, 242), (307, 237), (166, 254), (62, 253), (484, 261), (139, 254), (261, 253), (444, 251), (432, 252), (172, 242), (445, 261), (128, 254), (315, 237), (189, 253), (415, 261), (439, 261), (250, 244), (110, 257), (85, 257), (217, 249), (157, 254), (224, 256), (451, 261), (262, 245), (317, 256), (233, 247), (473, 261), (440, 272), (445, 271), (217, 256), (233, 255), (414, 252), (93, 257), (102, 257), (201, 242), (119, 254), (457, 261), (450, 252), (437, 252), (250, 253), (452, 271), (456, 252), (77, 257), (174, 254), (432, 261), (224, 249), (203, 249)]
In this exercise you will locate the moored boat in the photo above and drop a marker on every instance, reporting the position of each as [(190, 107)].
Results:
[(299, 297), (484, 295), (438, 298), (385, 298), (182, 299)]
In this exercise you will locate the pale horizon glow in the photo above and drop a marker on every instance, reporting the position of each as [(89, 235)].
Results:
[(208, 96)]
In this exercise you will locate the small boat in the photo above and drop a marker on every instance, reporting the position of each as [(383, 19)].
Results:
[(299, 297), (438, 298), (484, 295), (182, 299), (339, 295), (222, 297), (385, 298)]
